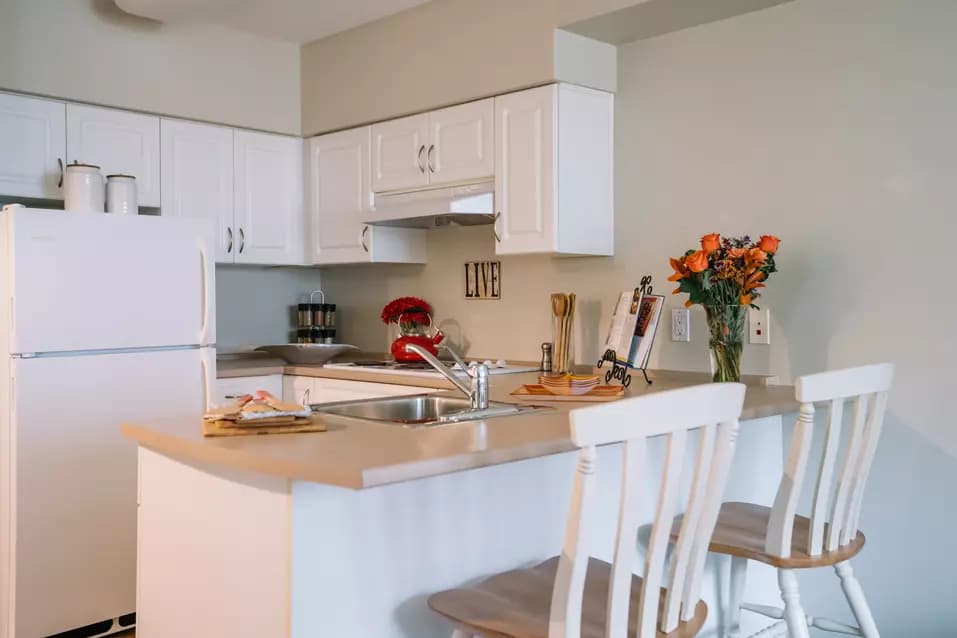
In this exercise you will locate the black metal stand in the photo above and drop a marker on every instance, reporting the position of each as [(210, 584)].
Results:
[(619, 370)]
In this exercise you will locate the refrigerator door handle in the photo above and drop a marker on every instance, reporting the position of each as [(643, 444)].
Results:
[(205, 370), (207, 291)]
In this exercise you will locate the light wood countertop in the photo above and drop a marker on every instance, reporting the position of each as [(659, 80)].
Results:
[(359, 454)]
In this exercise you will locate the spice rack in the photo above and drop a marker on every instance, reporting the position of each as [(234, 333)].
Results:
[(316, 322)]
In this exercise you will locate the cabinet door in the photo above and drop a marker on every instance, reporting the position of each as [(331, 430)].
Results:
[(117, 142), (269, 222), (32, 147), (461, 142), (197, 163), (340, 196), (399, 153), (299, 390), (524, 171)]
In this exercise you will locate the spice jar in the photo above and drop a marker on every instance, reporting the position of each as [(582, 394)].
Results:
[(330, 315), (304, 313)]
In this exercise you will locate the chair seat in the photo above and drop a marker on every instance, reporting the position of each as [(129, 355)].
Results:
[(743, 527), (516, 604)]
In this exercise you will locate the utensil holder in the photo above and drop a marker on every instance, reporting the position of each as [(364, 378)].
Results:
[(563, 355)]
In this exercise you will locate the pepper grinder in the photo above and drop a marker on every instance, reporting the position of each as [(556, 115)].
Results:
[(546, 357)]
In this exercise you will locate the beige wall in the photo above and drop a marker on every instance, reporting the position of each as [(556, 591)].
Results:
[(87, 50), (830, 124), (435, 54), (439, 53), (451, 51)]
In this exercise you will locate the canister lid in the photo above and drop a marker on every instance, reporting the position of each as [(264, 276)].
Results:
[(78, 165), (120, 176)]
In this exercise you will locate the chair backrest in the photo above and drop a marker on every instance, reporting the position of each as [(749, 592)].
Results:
[(836, 506), (713, 410)]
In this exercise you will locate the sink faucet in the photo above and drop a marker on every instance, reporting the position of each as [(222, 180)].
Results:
[(477, 388)]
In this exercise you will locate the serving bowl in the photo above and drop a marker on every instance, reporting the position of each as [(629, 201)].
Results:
[(307, 353)]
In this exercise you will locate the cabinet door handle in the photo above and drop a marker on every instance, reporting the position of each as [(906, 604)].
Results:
[(242, 240), (431, 154), (421, 163), (229, 240), (362, 238), (59, 162), (495, 227)]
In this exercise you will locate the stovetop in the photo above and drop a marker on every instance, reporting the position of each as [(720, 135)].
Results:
[(397, 365), (421, 368)]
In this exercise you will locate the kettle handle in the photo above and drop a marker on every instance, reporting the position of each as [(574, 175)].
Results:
[(437, 335)]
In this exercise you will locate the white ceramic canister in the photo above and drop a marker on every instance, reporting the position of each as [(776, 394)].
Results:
[(121, 195), (83, 188)]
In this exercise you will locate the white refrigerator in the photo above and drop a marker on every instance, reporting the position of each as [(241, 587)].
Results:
[(103, 319)]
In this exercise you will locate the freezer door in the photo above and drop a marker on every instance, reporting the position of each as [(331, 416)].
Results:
[(76, 480), (81, 281)]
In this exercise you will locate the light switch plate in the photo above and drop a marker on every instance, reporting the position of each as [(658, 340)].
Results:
[(759, 326), (680, 324)]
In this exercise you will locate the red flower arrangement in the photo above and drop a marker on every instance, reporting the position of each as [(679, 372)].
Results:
[(411, 309)]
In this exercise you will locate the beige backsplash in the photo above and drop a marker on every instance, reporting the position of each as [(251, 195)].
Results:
[(512, 327)]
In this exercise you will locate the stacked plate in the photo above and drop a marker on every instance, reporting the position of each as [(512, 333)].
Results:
[(569, 384)]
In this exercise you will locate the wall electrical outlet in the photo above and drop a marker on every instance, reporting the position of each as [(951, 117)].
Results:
[(759, 326), (680, 324)]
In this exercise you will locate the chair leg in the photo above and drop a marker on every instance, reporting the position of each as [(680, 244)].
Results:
[(739, 572), (794, 614), (857, 601)]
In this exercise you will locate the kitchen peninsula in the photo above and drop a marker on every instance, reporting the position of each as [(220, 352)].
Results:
[(345, 533)]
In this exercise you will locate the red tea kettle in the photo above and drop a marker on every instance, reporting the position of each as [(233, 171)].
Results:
[(413, 333)]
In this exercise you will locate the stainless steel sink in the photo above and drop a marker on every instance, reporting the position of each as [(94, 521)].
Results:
[(419, 410)]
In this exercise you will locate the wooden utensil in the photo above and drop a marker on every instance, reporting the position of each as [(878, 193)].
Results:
[(559, 310), (568, 331)]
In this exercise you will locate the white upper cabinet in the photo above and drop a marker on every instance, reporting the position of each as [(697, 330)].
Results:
[(248, 184), (524, 131), (117, 142), (399, 153), (197, 168), (461, 143), (451, 145), (269, 221), (32, 147), (340, 198), (554, 171)]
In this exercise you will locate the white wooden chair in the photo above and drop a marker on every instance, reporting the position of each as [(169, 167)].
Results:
[(576, 596), (830, 537)]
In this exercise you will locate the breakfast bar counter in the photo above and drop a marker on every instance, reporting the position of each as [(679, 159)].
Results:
[(360, 454), (346, 532)]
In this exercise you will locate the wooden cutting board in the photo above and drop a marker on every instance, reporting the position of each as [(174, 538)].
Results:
[(288, 426), (597, 394)]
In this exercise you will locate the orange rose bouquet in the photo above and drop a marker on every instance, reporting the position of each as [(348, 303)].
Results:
[(726, 276), (725, 271)]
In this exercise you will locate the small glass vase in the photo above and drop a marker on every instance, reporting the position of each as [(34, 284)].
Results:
[(726, 327)]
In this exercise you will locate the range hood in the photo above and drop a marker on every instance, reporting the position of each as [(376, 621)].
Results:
[(468, 205)]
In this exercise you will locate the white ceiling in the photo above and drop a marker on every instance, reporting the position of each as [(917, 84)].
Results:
[(291, 20)]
